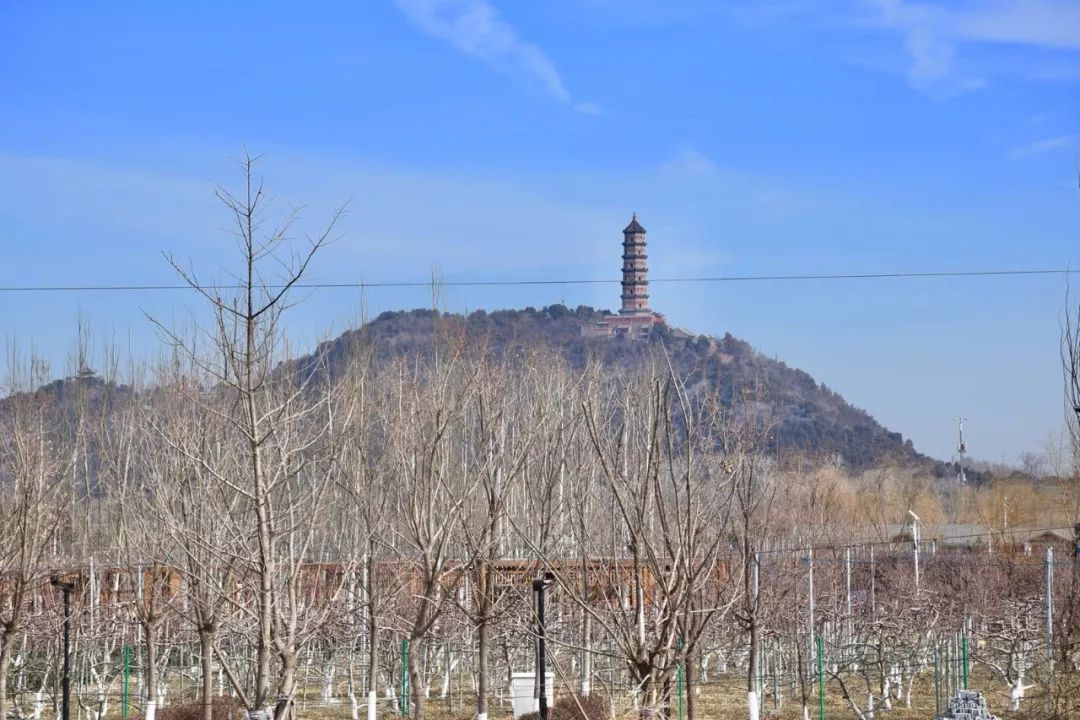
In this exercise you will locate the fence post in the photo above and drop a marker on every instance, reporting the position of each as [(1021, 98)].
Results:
[(679, 680), (127, 683), (404, 677), (964, 652), (937, 684), (821, 678)]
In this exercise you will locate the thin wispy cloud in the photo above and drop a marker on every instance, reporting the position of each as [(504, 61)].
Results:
[(475, 28), (935, 34), (689, 161), (588, 108), (1041, 146)]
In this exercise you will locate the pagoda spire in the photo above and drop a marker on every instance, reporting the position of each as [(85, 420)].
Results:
[(635, 271)]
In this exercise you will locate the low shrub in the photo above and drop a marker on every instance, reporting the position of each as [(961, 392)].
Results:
[(575, 707), (224, 708)]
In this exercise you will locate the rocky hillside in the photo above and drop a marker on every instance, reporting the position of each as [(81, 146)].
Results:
[(810, 418)]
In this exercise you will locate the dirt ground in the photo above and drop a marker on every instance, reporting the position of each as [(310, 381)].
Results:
[(724, 699)]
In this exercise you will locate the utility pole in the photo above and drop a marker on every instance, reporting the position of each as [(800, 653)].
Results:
[(66, 588), (915, 543), (755, 700), (540, 585), (810, 595), (961, 449), (1049, 619)]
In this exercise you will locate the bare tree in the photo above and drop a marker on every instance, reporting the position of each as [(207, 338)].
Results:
[(426, 426), (33, 466), (185, 452), (283, 414), (753, 492), (669, 496), (366, 482), (137, 545)]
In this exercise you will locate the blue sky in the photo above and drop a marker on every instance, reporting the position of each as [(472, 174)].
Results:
[(511, 140)]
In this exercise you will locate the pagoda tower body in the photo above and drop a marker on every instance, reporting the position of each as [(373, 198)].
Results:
[(635, 271), (635, 317)]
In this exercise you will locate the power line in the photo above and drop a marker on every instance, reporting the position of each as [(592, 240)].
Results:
[(512, 283)]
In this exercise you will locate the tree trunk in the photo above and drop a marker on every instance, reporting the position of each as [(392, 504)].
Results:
[(265, 570), (151, 671), (5, 660), (283, 709), (416, 689), (373, 636), (482, 666), (206, 645), (753, 706)]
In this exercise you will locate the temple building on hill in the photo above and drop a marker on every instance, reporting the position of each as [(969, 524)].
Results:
[(635, 316)]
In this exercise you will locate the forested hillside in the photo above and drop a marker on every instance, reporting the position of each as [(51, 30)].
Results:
[(810, 419)]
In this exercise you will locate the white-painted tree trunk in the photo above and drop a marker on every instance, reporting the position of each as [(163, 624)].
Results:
[(39, 703), (1016, 693), (328, 686), (752, 704), (150, 711), (354, 706), (101, 709)]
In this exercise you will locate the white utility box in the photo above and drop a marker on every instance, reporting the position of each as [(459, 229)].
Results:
[(523, 692)]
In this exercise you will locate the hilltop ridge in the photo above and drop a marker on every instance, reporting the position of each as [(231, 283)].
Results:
[(809, 417)]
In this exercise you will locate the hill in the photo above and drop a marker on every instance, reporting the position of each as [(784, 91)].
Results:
[(809, 418)]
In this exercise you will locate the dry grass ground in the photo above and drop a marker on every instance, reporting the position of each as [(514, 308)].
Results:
[(723, 699)]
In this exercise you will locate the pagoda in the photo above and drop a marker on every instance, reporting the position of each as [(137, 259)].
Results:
[(635, 316)]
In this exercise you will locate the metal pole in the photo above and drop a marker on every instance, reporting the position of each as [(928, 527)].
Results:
[(821, 678), (915, 544), (776, 670), (937, 684), (961, 448), (758, 689), (404, 677), (810, 590), (65, 693), (964, 654), (66, 703), (679, 680), (1049, 619), (539, 586), (127, 682), (947, 669)]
